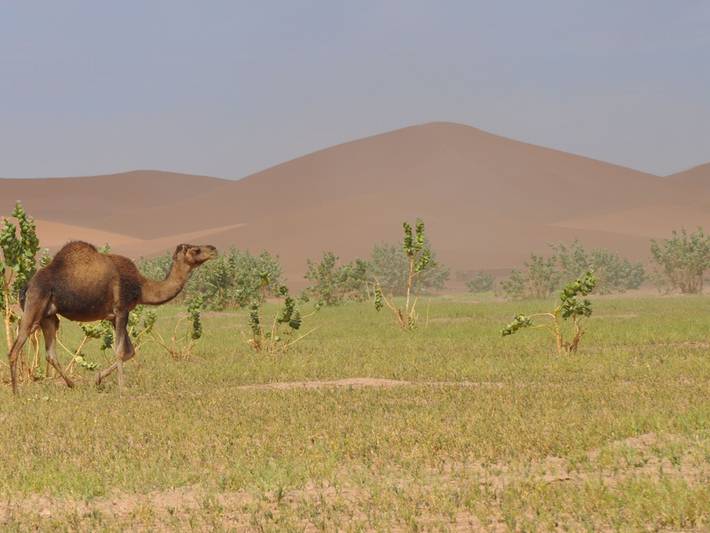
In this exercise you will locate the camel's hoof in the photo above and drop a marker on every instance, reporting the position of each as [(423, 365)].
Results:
[(70, 384), (98, 380)]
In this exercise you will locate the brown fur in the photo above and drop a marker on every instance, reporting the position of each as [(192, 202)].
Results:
[(85, 285)]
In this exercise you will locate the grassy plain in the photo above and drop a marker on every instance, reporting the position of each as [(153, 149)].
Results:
[(477, 432)]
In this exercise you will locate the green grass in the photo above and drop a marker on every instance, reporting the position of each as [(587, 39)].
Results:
[(616, 436)]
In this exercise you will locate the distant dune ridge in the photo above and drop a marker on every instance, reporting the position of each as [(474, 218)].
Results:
[(488, 202)]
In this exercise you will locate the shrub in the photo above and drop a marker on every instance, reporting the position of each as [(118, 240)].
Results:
[(183, 340), (539, 279), (284, 326), (419, 260), (331, 284), (231, 280), (19, 245), (614, 274), (481, 282), (543, 276), (570, 307), (682, 260), (389, 265)]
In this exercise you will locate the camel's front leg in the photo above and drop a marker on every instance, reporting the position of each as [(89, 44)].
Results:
[(123, 348)]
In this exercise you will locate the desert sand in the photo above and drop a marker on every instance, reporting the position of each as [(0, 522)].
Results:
[(488, 201)]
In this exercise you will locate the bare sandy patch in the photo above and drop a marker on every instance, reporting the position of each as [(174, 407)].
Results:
[(365, 382)]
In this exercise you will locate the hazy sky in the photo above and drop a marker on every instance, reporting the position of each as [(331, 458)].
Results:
[(230, 87)]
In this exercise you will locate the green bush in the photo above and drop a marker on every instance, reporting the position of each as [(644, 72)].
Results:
[(571, 307), (539, 279), (613, 273), (682, 260), (331, 284), (542, 276), (481, 282), (389, 264), (234, 279)]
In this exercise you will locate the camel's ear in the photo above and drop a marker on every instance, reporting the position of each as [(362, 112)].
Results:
[(181, 248)]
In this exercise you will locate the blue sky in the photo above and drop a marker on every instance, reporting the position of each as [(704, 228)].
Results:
[(230, 87)]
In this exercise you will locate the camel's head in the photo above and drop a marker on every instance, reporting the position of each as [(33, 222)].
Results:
[(194, 254)]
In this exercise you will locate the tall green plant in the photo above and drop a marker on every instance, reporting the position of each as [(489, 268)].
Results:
[(419, 260), (20, 245), (682, 260), (331, 283), (230, 281), (571, 307)]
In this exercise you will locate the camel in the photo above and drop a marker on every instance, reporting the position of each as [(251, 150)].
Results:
[(84, 285)]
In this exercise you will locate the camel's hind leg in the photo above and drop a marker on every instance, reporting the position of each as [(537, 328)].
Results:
[(124, 350), (50, 325)]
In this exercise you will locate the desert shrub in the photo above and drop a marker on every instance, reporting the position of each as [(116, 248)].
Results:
[(539, 279), (419, 260), (682, 260), (19, 245), (614, 274), (285, 326), (389, 265), (231, 280), (141, 322), (542, 276), (186, 333), (570, 307), (481, 282), (331, 284)]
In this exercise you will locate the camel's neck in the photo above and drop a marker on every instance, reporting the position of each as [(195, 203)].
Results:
[(159, 292)]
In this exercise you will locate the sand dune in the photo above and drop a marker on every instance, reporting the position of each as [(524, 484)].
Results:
[(488, 201)]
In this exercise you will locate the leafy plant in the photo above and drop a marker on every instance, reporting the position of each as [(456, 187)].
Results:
[(418, 261), (538, 280), (614, 274), (389, 265), (682, 260), (19, 244), (284, 327), (331, 284), (481, 282), (542, 276), (571, 307), (183, 340), (230, 281)]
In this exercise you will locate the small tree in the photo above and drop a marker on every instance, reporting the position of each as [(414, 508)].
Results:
[(232, 280), (538, 280), (419, 259), (683, 260), (183, 340), (18, 263), (481, 282), (614, 274), (284, 327), (331, 284), (570, 307)]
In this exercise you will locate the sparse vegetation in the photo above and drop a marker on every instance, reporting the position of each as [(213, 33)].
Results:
[(543, 276), (331, 283), (230, 281), (419, 260), (475, 431), (682, 260), (570, 307), (389, 265), (182, 342), (19, 245), (539, 279), (481, 282), (285, 326)]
